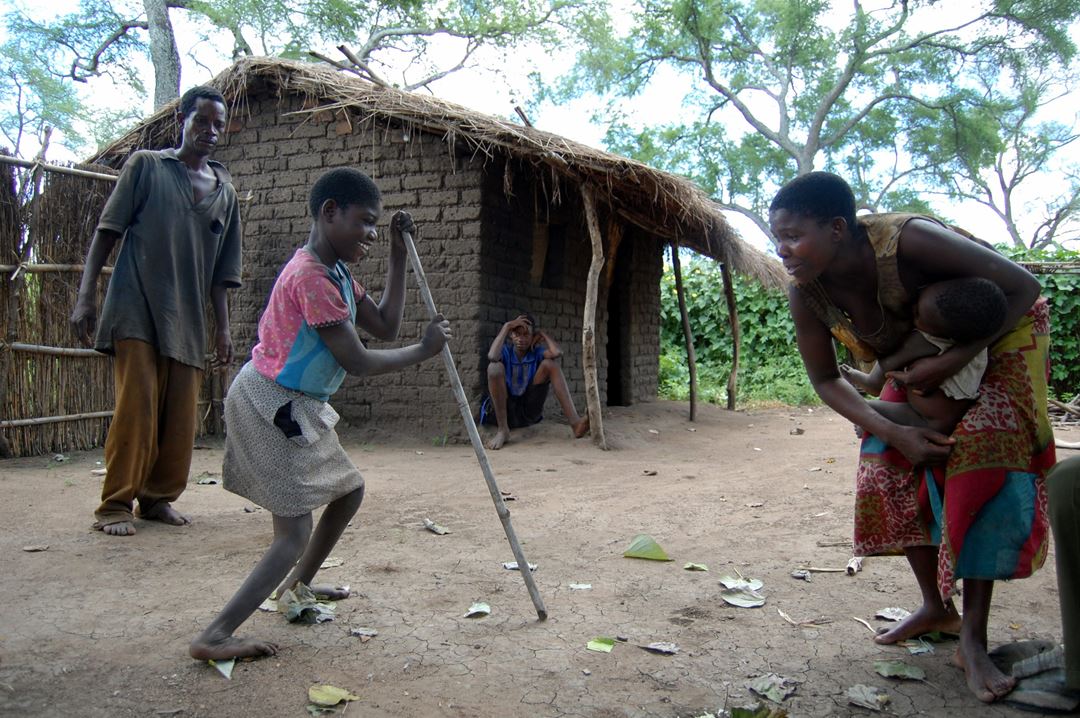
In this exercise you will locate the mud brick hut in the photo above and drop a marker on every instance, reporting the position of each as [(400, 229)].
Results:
[(502, 215)]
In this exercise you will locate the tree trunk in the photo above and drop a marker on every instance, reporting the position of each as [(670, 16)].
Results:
[(163, 53), (588, 329), (736, 335), (691, 357)]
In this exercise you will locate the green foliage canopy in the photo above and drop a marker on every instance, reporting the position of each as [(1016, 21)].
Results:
[(869, 90), (394, 42)]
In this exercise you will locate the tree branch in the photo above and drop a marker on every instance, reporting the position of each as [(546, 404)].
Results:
[(82, 69), (470, 48)]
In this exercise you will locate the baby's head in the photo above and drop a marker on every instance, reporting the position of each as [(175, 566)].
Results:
[(961, 310)]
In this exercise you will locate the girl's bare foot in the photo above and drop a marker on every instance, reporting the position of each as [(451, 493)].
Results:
[(925, 620), (116, 528), (330, 593), (164, 512), (204, 649), (983, 677), (498, 440), (581, 428)]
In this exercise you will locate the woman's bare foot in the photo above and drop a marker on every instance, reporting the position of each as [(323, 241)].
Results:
[(983, 677), (497, 441), (330, 593), (164, 512), (116, 528), (925, 620), (230, 647), (581, 428)]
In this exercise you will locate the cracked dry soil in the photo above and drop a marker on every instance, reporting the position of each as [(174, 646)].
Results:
[(97, 626)]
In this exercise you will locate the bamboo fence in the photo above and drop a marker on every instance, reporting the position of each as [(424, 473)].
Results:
[(55, 396)]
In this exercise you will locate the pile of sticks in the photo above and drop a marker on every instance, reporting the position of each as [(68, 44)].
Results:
[(1065, 415)]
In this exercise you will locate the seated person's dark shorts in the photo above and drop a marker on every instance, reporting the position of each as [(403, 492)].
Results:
[(521, 411)]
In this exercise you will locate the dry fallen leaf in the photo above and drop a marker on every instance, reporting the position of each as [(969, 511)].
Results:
[(893, 613), (664, 647), (870, 697), (478, 610), (435, 528), (326, 695)]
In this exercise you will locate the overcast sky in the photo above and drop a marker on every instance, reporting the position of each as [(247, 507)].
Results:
[(498, 92)]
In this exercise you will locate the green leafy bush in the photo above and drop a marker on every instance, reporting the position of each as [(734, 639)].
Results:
[(771, 370), (1063, 293)]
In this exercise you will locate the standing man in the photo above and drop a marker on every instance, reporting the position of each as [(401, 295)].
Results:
[(177, 213)]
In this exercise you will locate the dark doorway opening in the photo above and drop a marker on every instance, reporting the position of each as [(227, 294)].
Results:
[(619, 371)]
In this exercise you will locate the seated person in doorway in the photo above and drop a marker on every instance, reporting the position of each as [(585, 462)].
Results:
[(522, 364)]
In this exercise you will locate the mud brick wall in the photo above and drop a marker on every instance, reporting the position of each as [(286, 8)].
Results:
[(476, 241), (277, 158), (513, 281)]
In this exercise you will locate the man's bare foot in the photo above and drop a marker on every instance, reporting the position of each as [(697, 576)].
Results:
[(925, 620), (983, 677), (327, 592), (497, 441), (230, 647), (164, 512), (581, 428), (116, 528)]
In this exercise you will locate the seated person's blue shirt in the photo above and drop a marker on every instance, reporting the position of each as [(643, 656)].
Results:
[(521, 370)]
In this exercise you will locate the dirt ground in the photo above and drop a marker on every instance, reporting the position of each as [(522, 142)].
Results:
[(97, 626)]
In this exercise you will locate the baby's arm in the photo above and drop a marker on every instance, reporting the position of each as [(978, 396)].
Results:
[(343, 342), (915, 346)]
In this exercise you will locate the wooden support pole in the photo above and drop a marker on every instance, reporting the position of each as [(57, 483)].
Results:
[(736, 335), (588, 328), (691, 355), (474, 435)]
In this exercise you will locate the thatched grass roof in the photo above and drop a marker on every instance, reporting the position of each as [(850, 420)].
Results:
[(664, 204)]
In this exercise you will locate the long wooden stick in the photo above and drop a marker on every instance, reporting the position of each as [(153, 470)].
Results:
[(52, 351), (588, 325), (688, 333), (474, 435), (57, 168), (11, 423), (47, 268)]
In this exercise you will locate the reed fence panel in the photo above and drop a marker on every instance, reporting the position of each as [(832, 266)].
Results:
[(56, 397)]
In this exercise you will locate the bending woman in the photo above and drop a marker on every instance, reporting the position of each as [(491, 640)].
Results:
[(970, 506)]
